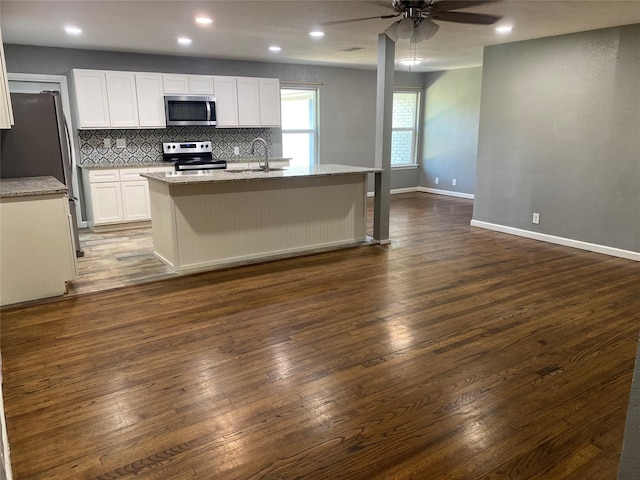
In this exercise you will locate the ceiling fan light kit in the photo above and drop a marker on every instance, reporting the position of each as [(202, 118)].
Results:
[(424, 31)]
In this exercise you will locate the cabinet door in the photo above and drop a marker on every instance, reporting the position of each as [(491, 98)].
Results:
[(123, 101), (248, 102), (135, 201), (200, 85), (269, 102), (175, 84), (226, 92), (107, 202), (91, 98), (150, 93)]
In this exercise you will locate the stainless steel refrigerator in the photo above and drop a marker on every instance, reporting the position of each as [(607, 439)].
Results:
[(38, 144)]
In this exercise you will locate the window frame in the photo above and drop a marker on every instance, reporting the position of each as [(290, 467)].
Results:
[(415, 129), (315, 120)]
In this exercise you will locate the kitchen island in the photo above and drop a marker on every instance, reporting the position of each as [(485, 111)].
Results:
[(213, 218)]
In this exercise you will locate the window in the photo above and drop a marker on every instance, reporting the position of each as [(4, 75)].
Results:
[(300, 126), (404, 135)]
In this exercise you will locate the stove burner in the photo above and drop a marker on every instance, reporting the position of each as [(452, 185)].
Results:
[(191, 156)]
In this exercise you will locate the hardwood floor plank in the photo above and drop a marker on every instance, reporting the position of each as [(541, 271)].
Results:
[(453, 353)]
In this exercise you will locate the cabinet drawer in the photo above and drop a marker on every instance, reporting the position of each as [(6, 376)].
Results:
[(163, 168), (130, 174), (104, 175)]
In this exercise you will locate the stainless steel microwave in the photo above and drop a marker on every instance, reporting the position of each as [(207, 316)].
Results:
[(184, 110)]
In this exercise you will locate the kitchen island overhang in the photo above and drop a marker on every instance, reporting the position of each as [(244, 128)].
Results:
[(211, 219)]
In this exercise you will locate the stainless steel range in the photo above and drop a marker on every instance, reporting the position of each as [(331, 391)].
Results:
[(191, 156)]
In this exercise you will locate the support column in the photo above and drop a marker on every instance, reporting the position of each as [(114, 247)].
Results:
[(384, 118)]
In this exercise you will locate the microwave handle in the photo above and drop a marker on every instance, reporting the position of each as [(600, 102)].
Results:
[(208, 111)]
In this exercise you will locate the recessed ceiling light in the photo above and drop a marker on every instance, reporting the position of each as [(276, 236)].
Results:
[(73, 30), (411, 61), (275, 48), (316, 33), (184, 41), (504, 29), (204, 20)]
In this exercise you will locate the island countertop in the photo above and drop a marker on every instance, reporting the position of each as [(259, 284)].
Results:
[(230, 175), (30, 186)]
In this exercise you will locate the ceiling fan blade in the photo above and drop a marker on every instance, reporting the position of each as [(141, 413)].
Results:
[(381, 3), (457, 4), (463, 17), (338, 22)]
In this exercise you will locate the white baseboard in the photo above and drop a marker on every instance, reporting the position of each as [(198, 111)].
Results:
[(394, 191), (428, 190), (450, 193), (567, 242)]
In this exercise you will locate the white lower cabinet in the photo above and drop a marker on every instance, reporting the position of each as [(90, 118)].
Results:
[(118, 196), (135, 201), (37, 252), (107, 202)]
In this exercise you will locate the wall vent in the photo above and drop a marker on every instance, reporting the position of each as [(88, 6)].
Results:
[(352, 49)]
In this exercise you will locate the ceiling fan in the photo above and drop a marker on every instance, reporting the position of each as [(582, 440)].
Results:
[(417, 22)]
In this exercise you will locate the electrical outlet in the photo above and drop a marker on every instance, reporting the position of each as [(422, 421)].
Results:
[(107, 143), (536, 218), (437, 180), (236, 150), (121, 142), (454, 182)]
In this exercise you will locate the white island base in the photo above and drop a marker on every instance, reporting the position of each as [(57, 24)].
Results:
[(207, 223)]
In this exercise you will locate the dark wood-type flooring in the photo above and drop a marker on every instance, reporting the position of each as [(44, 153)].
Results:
[(453, 353)]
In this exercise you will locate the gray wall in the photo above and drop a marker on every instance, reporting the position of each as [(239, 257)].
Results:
[(347, 96), (450, 129), (560, 135)]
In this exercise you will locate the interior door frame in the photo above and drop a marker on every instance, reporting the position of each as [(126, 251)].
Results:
[(61, 80)]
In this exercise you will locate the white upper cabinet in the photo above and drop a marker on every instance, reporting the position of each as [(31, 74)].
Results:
[(6, 112), (91, 98), (175, 84), (269, 102), (110, 99), (248, 102), (122, 99), (150, 93), (226, 91), (200, 85)]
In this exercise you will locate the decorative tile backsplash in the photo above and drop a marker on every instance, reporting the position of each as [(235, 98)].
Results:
[(144, 146)]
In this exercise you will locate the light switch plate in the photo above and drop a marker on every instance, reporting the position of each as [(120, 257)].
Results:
[(121, 142), (236, 150), (107, 143)]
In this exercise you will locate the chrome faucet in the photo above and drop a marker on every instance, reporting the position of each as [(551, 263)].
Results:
[(266, 151)]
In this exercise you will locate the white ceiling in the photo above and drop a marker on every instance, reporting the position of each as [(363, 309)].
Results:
[(245, 29)]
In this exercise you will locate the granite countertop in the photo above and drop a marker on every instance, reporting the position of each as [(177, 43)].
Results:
[(30, 186), (160, 163), (209, 176), (123, 165)]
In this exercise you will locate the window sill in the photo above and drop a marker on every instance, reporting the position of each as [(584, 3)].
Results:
[(409, 166)]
